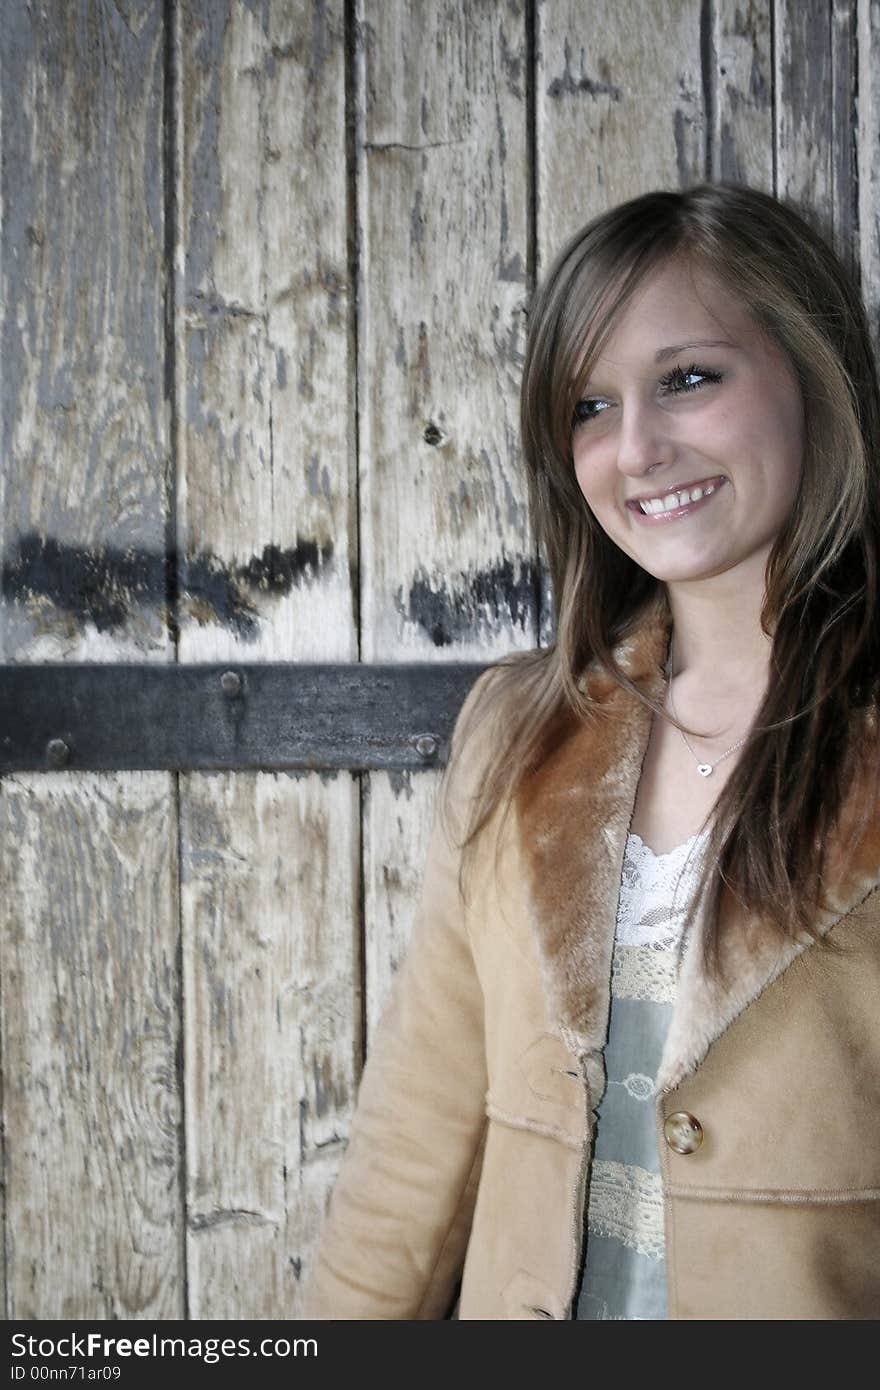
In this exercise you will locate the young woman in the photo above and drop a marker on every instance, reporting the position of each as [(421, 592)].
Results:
[(631, 1064)]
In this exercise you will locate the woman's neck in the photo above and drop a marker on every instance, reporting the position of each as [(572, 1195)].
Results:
[(718, 640)]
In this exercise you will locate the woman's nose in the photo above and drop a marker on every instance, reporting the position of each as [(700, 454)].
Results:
[(642, 440)]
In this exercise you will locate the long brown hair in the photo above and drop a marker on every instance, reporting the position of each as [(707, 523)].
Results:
[(774, 813)]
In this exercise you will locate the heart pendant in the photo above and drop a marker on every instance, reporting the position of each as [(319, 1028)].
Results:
[(704, 769)]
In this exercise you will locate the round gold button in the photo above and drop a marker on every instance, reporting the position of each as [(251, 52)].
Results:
[(683, 1132)]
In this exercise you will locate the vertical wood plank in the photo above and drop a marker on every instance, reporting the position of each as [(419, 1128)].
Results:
[(869, 160), (446, 547), (85, 433), (442, 214), (272, 1032), (447, 566), (88, 957), (815, 138), (266, 492), (742, 111), (620, 108), (803, 81), (267, 512), (89, 1028), (397, 824), (844, 137)]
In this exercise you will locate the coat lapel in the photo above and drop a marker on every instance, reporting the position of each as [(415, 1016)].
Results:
[(752, 954), (573, 815)]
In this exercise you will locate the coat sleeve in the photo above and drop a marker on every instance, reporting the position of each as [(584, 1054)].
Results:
[(396, 1232)]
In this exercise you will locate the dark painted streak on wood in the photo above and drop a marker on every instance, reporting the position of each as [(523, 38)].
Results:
[(570, 85), (498, 597), (101, 584), (217, 588)]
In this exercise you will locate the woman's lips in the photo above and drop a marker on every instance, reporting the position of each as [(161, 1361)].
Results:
[(676, 513)]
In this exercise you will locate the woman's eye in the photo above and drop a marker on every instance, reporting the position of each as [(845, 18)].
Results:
[(587, 410), (690, 380)]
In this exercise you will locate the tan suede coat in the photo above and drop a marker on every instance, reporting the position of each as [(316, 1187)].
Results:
[(469, 1152)]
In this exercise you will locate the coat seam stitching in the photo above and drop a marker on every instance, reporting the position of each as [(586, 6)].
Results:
[(546, 1131), (755, 1196)]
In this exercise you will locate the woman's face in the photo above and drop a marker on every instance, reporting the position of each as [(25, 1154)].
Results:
[(688, 393)]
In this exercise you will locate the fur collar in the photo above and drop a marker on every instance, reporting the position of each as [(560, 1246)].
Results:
[(573, 816)]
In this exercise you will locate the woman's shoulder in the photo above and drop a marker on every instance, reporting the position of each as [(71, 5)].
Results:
[(501, 687)]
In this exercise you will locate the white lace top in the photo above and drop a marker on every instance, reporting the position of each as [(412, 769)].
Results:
[(655, 891), (624, 1266)]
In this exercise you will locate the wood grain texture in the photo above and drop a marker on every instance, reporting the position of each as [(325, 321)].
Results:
[(741, 75), (442, 217), (868, 38), (844, 133), (272, 1016), (620, 108), (90, 1033), (267, 520), (85, 435), (399, 813), (815, 135), (264, 371)]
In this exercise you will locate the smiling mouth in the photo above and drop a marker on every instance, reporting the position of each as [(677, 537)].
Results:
[(676, 498)]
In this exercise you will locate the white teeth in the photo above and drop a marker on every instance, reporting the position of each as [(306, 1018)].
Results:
[(675, 499)]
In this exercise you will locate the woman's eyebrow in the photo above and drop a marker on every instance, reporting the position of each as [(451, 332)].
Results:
[(663, 353)]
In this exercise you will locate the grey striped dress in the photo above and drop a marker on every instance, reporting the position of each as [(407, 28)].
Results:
[(623, 1274)]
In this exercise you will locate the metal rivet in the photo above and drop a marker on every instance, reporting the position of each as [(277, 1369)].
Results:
[(58, 752), (426, 745), (231, 683), (432, 435)]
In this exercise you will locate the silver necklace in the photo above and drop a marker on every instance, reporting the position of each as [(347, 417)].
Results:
[(704, 769)]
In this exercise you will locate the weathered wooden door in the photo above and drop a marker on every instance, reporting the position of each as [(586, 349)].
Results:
[(265, 266)]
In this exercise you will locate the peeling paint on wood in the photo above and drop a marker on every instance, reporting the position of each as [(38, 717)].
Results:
[(816, 125), (396, 828), (272, 1026), (266, 356), (742, 60), (267, 469), (844, 165), (90, 1037), (442, 221), (803, 83), (620, 108), (85, 438), (266, 441)]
